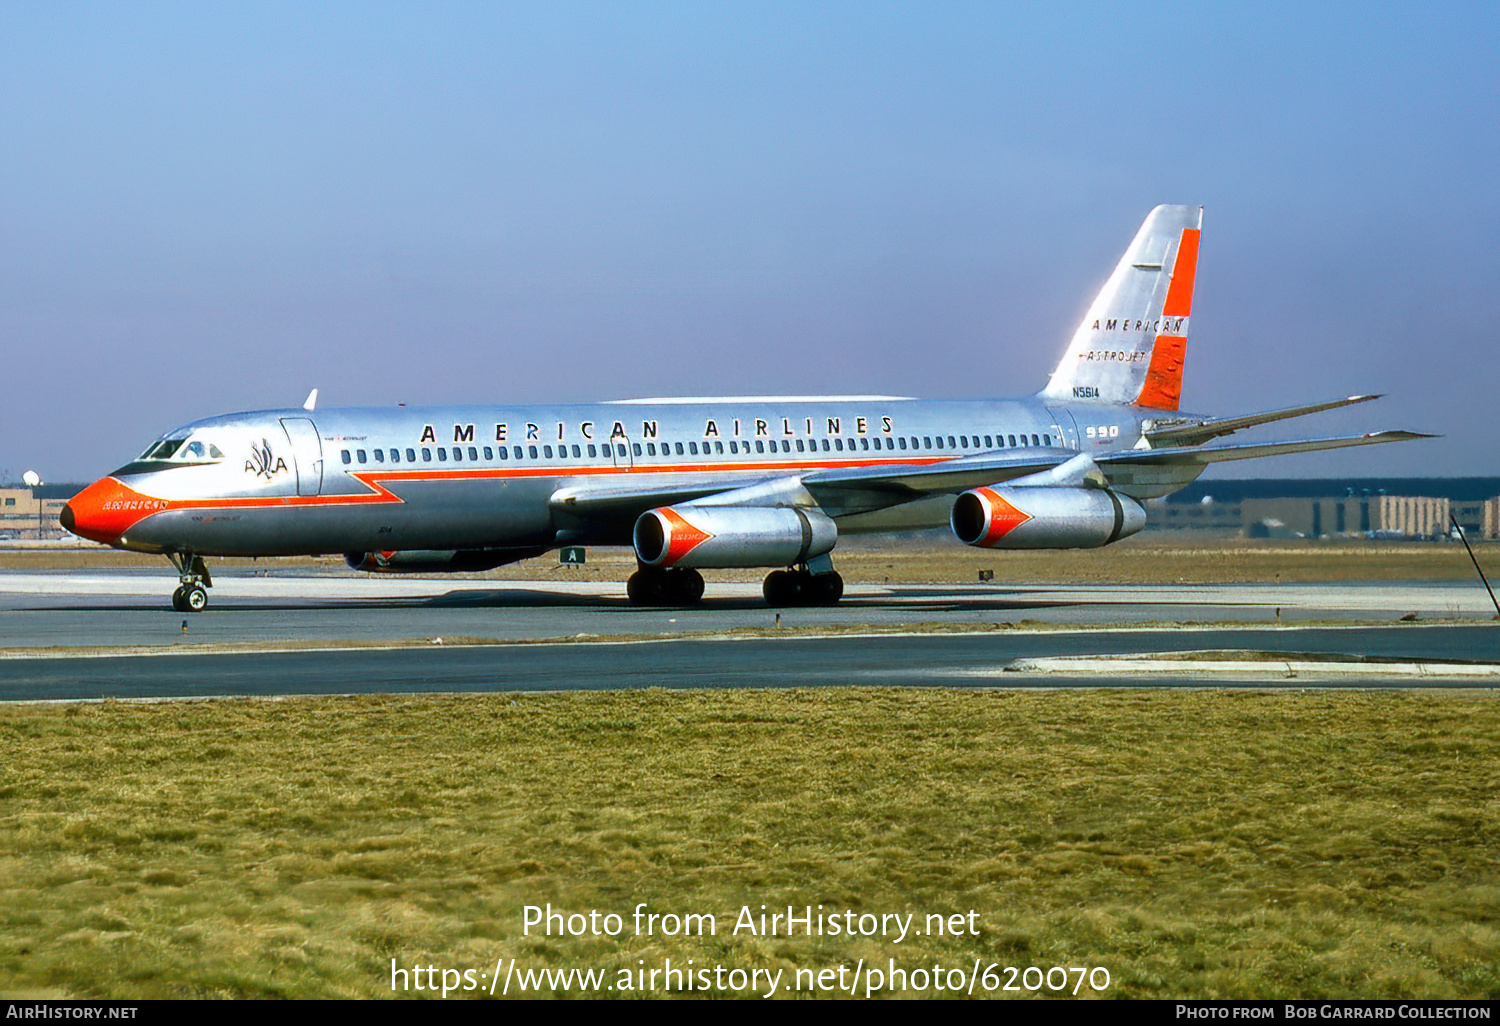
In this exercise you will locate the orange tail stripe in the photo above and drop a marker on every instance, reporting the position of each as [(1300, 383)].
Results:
[(1163, 387), (1180, 292)]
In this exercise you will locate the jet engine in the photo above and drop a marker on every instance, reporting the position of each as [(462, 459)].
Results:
[(1044, 518), (732, 536), (436, 561)]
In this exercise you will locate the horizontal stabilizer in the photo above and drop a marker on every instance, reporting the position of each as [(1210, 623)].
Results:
[(1176, 432), (1221, 453)]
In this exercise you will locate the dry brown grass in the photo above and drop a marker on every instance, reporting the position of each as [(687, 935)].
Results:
[(1195, 843)]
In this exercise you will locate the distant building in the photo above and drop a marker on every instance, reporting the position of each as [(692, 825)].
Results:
[(1224, 517), (26, 516), (1389, 516), (1489, 518)]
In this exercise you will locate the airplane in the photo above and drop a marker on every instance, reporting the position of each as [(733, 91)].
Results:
[(706, 483)]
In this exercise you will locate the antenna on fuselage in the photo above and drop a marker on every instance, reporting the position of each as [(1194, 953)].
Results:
[(312, 400)]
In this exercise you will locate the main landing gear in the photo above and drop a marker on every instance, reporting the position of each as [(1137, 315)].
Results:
[(802, 587), (649, 586), (191, 595)]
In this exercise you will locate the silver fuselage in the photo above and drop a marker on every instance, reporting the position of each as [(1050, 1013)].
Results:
[(292, 481)]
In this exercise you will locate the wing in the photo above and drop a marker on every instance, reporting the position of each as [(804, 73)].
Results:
[(845, 491)]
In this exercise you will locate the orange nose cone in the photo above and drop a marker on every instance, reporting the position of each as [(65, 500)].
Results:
[(106, 509)]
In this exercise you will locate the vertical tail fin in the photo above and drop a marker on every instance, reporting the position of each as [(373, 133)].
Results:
[(1130, 347)]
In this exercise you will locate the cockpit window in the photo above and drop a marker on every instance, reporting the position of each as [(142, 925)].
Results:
[(162, 450), (183, 451)]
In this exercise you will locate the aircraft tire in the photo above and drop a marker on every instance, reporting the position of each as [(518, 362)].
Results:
[(195, 599), (824, 589), (640, 588), (782, 588), (651, 588), (179, 603), (686, 586)]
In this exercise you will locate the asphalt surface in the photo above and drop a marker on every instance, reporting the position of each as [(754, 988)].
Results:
[(928, 660), (102, 611)]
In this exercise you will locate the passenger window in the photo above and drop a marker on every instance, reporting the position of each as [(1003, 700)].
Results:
[(800, 446), (458, 454), (411, 455), (1046, 439), (593, 452), (635, 447), (379, 455), (838, 443), (442, 455), (693, 448), (346, 457), (531, 451), (902, 442), (940, 441), (1012, 440), (864, 443), (1034, 440), (359, 454), (719, 448), (760, 446), (426, 455), (547, 451), (650, 448), (473, 453), (517, 452), (577, 453), (504, 453), (395, 455)]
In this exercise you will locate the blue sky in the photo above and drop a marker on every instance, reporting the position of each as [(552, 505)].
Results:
[(207, 208)]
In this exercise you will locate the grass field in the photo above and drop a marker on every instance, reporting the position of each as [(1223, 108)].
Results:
[(1194, 843)]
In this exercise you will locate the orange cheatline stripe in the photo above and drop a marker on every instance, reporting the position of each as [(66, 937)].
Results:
[(380, 494), (1163, 387), (1180, 292)]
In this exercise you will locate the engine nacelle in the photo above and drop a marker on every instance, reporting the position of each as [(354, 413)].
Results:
[(436, 561), (732, 536), (1044, 518)]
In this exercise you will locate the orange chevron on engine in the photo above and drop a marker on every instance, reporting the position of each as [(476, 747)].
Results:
[(1003, 517), (682, 537)]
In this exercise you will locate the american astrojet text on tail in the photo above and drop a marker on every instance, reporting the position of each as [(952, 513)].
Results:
[(700, 483)]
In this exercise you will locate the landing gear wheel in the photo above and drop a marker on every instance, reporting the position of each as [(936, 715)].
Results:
[(664, 587), (644, 588), (686, 586), (825, 589), (782, 588), (192, 573), (800, 588)]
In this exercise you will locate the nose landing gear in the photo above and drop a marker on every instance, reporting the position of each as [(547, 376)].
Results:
[(191, 595)]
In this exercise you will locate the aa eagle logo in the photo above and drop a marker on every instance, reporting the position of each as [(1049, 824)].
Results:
[(263, 462)]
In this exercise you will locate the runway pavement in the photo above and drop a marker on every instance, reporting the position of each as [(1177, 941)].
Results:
[(106, 612)]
